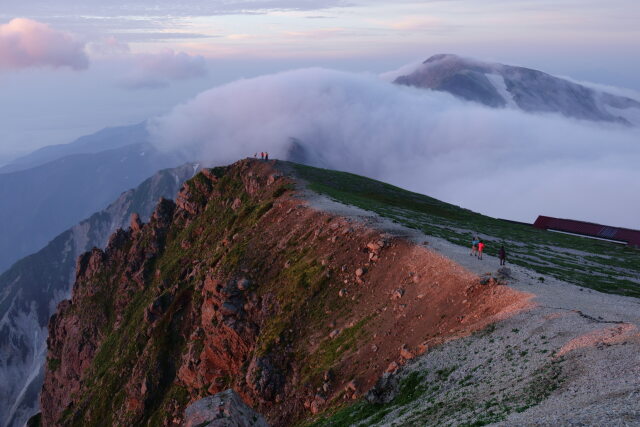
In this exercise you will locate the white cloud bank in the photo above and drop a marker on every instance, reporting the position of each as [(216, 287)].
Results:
[(27, 43), (503, 163), (157, 70)]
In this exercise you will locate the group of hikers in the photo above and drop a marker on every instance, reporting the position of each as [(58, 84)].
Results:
[(263, 155), (477, 248)]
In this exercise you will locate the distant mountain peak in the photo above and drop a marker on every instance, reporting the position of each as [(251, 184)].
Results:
[(533, 91)]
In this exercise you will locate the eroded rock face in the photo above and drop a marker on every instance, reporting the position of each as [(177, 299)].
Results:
[(225, 409)]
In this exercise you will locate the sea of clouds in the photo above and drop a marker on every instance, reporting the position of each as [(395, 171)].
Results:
[(500, 162)]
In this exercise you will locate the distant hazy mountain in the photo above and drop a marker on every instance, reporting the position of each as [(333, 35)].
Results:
[(40, 202), (31, 289), (106, 139), (498, 85)]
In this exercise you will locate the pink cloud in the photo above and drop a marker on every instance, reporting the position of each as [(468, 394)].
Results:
[(153, 70), (27, 43)]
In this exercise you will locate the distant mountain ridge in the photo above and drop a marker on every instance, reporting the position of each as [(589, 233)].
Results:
[(32, 288), (41, 202), (499, 86), (105, 139)]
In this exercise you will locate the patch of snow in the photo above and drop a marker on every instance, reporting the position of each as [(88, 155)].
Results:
[(498, 82), (630, 114)]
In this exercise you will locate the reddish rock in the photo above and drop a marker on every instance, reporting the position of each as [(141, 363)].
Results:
[(393, 366), (225, 409), (405, 353)]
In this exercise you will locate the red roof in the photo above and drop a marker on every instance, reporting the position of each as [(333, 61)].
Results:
[(632, 237)]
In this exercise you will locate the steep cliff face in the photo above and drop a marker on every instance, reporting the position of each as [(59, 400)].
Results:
[(32, 288), (240, 284)]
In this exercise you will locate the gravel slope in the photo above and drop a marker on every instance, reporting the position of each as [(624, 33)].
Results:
[(572, 359)]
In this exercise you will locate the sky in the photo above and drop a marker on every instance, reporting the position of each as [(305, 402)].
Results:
[(72, 67)]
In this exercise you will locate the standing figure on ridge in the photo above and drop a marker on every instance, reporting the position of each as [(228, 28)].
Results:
[(502, 254), (480, 249), (266, 156), (474, 245)]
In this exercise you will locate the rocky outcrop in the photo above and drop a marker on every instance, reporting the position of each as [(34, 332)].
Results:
[(238, 285), (225, 409), (33, 287)]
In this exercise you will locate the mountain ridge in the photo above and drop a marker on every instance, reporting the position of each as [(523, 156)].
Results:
[(31, 289), (498, 86), (300, 307)]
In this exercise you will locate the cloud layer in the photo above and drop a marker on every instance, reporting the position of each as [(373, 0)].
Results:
[(503, 163), (155, 70), (27, 43)]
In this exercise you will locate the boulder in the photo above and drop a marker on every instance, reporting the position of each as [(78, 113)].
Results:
[(225, 409), (398, 293), (243, 284), (405, 353)]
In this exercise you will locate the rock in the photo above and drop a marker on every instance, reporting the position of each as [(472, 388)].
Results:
[(334, 333), (272, 178), (224, 409), (374, 348), (229, 309), (422, 348), (243, 284), (397, 294), (384, 391), (351, 386), (342, 293), (136, 224), (373, 247), (236, 204), (359, 272), (405, 353), (504, 273), (317, 403), (393, 366)]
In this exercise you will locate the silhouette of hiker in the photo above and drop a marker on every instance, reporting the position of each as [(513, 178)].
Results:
[(480, 249), (262, 155), (502, 254), (266, 156)]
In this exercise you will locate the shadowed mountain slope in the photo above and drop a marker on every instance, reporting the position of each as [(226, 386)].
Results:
[(31, 289), (39, 203), (498, 86)]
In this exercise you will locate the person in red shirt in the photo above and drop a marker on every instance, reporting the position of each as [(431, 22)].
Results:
[(480, 248)]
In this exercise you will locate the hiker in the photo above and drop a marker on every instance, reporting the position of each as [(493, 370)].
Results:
[(502, 254), (266, 156), (480, 248), (474, 245), (262, 155), (255, 155)]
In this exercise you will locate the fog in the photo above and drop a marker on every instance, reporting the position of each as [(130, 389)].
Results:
[(502, 162)]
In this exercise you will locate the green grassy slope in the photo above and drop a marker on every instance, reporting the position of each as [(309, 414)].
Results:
[(600, 265)]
